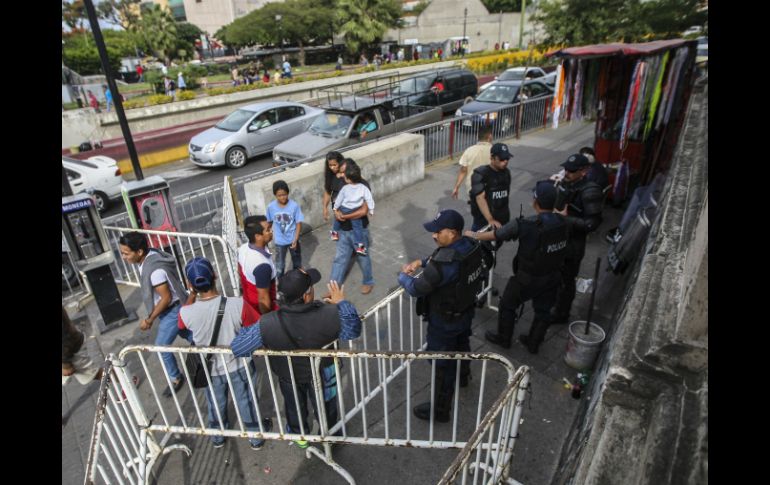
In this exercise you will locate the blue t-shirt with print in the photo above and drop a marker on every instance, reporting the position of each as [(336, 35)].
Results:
[(284, 221)]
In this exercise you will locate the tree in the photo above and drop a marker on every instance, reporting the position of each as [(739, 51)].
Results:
[(73, 14), (157, 29), (580, 22), (79, 51), (365, 21), (120, 12), (495, 6), (187, 34)]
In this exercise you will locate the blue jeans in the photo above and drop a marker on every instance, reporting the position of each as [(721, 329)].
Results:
[(280, 258), (345, 249), (358, 226), (168, 329), (242, 400)]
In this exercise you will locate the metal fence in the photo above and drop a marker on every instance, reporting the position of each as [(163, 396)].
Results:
[(183, 246)]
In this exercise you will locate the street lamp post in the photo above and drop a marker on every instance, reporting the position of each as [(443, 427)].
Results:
[(521, 24), (462, 42), (280, 34)]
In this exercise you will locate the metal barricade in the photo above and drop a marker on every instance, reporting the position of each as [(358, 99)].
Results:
[(184, 246), (369, 400)]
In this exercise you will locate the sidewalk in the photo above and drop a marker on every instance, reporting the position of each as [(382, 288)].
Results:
[(397, 237)]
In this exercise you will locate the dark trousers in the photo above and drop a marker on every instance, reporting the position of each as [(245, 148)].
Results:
[(570, 270), (450, 336), (542, 292), (304, 393), (280, 259)]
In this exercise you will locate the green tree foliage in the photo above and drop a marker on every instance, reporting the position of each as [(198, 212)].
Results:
[(157, 30), (363, 22), (73, 14), (120, 12), (495, 6), (581, 22), (303, 22), (186, 35), (79, 50)]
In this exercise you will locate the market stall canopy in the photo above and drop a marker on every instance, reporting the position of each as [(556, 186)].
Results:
[(619, 49)]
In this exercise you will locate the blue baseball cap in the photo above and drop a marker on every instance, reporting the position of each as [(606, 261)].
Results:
[(576, 162), (445, 219), (199, 272), (545, 194)]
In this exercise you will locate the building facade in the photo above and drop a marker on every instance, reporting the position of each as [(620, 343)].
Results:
[(211, 15)]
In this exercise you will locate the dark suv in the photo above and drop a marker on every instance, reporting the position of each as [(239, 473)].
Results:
[(447, 88)]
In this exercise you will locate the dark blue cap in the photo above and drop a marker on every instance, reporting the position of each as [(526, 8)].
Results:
[(545, 194), (297, 282), (500, 150), (576, 162), (445, 219), (199, 272)]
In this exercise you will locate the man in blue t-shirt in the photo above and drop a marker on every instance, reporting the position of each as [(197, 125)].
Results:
[(286, 217)]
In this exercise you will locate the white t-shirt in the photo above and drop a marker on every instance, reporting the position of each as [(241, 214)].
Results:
[(352, 196), (159, 277)]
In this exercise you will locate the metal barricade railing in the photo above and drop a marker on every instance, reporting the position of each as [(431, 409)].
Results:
[(124, 443), (74, 285), (183, 246)]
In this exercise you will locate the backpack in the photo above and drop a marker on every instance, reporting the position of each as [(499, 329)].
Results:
[(171, 85)]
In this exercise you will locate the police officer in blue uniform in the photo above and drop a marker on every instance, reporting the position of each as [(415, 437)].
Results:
[(543, 240), (490, 187), (580, 200), (446, 291)]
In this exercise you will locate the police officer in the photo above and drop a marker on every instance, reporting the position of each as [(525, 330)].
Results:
[(490, 186), (543, 240), (446, 292), (580, 200)]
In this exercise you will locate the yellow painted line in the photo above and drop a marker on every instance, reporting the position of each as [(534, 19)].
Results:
[(155, 158)]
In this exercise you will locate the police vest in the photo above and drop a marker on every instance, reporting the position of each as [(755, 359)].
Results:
[(583, 198), (542, 246), (451, 300), (497, 185)]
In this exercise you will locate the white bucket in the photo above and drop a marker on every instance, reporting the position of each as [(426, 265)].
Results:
[(583, 349)]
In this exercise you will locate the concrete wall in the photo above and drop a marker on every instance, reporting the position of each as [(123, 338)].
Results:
[(389, 166), (645, 417), (84, 124), (444, 18)]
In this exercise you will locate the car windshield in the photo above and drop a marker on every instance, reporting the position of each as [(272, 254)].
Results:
[(414, 85), (333, 124), (516, 75), (235, 120), (498, 93)]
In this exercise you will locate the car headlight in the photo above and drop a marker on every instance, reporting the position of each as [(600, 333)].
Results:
[(458, 112), (210, 147)]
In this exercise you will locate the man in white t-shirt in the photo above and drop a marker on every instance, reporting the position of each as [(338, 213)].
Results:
[(474, 157), (162, 293)]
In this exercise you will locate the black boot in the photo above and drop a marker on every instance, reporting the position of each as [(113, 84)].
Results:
[(442, 402), (497, 339), (535, 337)]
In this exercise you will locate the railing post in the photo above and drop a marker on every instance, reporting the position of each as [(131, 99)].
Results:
[(518, 120), (451, 138)]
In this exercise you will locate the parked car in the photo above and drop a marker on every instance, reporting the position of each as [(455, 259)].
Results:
[(98, 175), (703, 49), (500, 95), (250, 131), (340, 126), (459, 86), (517, 74)]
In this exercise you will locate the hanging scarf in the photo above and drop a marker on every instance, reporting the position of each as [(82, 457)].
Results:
[(655, 96), (670, 88), (557, 97), (631, 102), (577, 98), (645, 95)]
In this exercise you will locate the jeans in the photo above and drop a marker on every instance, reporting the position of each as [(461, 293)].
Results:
[(345, 249), (168, 329), (242, 400), (304, 393), (358, 226), (280, 258)]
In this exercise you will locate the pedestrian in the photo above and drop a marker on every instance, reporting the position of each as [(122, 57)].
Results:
[(416, 55), (497, 46), (172, 88), (338, 66), (346, 244), (332, 183), (580, 200), (303, 323), (255, 265), (286, 68), (440, 53), (204, 82), (140, 72), (490, 187), (234, 75), (277, 76), (180, 81), (286, 218), (208, 315), (400, 55), (108, 97), (265, 76), (93, 102), (537, 267), (75, 360), (473, 157), (162, 293), (446, 292), (164, 69), (351, 198)]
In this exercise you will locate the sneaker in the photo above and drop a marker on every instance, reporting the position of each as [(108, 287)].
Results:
[(177, 385), (334, 235), (257, 445), (301, 444), (218, 444), (361, 249), (613, 236), (267, 426), (366, 289)]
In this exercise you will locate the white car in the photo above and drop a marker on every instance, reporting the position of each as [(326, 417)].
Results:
[(516, 74), (98, 175)]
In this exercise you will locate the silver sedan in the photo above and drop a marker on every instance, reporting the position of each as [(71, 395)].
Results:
[(250, 131)]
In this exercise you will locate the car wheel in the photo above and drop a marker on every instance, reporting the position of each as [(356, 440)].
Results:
[(69, 277), (235, 158), (102, 201)]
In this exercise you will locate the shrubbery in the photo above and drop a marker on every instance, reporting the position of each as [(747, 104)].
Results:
[(159, 99), (184, 95)]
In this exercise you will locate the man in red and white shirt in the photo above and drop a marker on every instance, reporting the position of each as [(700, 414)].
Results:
[(255, 265)]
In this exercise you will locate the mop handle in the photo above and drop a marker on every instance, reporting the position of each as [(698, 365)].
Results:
[(593, 293)]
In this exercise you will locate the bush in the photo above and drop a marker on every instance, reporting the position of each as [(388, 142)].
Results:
[(159, 99), (184, 95), (133, 103), (217, 91)]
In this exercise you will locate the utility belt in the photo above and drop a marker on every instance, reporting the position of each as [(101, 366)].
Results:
[(422, 308)]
